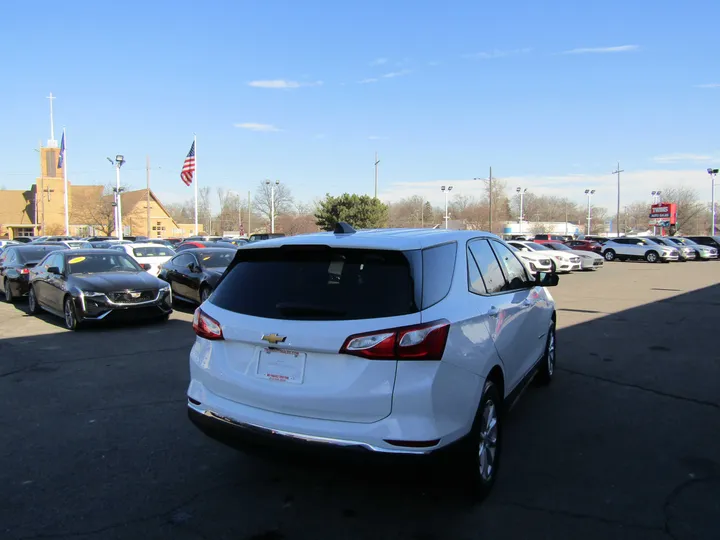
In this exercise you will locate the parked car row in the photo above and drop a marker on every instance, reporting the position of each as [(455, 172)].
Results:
[(655, 249), (556, 257)]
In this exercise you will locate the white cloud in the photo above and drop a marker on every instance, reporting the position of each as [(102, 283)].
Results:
[(282, 84), (488, 55), (368, 81), (601, 50), (711, 85), (679, 157), (634, 186), (257, 127), (379, 62), (394, 74)]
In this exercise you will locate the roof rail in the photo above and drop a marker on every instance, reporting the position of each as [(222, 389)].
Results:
[(343, 228)]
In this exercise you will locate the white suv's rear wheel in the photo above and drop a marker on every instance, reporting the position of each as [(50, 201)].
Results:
[(481, 458)]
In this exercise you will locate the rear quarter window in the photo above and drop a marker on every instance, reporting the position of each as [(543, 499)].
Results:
[(320, 283), (437, 275)]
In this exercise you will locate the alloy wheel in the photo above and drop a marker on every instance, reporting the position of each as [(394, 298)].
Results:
[(8, 292), (488, 441), (652, 257), (204, 294), (32, 306), (551, 353), (69, 315)]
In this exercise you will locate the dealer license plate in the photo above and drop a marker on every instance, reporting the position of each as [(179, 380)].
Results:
[(281, 365)]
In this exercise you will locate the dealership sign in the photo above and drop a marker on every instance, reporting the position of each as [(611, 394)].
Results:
[(664, 211)]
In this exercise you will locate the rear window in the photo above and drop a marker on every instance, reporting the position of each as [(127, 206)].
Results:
[(438, 269), (215, 259), (154, 251), (30, 255), (320, 283)]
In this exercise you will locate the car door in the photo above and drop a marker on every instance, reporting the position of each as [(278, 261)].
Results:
[(41, 284), (55, 283), (536, 313), (179, 275), (6, 259), (505, 312), (194, 277)]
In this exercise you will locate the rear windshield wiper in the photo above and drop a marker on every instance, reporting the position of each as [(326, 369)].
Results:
[(299, 309)]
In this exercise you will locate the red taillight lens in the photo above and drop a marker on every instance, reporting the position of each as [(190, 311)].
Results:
[(206, 327), (24, 271), (419, 342)]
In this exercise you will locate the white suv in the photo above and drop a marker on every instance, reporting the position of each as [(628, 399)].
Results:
[(638, 248), (387, 341)]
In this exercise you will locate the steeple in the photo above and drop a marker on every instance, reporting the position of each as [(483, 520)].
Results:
[(52, 143)]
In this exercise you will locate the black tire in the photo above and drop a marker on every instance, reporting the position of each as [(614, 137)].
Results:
[(205, 292), (609, 255), (483, 440), (546, 369), (553, 267), (71, 320), (652, 256), (33, 306), (9, 298)]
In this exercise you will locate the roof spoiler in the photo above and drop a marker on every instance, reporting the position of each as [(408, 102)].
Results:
[(343, 228)]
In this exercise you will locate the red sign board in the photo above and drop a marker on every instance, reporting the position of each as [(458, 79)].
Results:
[(667, 211)]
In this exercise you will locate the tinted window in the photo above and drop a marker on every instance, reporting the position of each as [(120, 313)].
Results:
[(514, 269), (215, 259), (320, 283), (183, 260), (33, 255), (438, 269), (541, 237), (488, 266)]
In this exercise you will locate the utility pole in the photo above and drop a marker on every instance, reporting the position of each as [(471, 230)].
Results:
[(147, 199), (713, 175), (446, 191), (249, 215), (617, 171), (376, 174), (590, 193), (521, 191), (490, 196)]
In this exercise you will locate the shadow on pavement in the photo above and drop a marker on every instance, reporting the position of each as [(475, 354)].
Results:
[(624, 444)]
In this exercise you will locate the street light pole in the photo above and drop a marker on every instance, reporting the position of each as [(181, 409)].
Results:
[(521, 191), (713, 175), (117, 163), (446, 191), (618, 171), (272, 203), (590, 193)]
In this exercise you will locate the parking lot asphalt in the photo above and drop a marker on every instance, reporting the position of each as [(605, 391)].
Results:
[(95, 441)]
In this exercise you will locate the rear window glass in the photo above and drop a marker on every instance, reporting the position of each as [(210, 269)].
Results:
[(319, 283), (438, 269), (154, 251), (30, 255), (215, 259)]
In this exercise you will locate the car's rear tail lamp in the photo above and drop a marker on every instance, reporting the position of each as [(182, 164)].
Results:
[(24, 271), (206, 327), (418, 342)]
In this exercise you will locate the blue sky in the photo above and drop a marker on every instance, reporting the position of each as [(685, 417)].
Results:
[(551, 95)]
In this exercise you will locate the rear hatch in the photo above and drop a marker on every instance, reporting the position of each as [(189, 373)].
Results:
[(285, 314)]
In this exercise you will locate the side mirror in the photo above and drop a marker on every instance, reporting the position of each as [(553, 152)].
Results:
[(547, 279), (146, 266), (193, 267), (53, 270)]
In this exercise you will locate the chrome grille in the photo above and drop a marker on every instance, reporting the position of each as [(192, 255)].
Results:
[(132, 297)]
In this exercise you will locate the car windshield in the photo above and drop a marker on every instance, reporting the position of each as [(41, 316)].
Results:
[(78, 244), (153, 251), (34, 255), (688, 242), (537, 247), (98, 263), (216, 259), (675, 241), (559, 247), (660, 241)]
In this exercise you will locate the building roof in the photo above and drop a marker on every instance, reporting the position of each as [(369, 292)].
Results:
[(16, 207), (131, 200)]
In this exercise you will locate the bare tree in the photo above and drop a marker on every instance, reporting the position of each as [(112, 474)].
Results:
[(98, 210), (263, 199), (407, 212), (689, 207)]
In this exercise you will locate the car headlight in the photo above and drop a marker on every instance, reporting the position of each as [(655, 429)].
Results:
[(92, 294)]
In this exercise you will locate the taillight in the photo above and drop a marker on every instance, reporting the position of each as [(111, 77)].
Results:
[(418, 342), (24, 271), (205, 326)]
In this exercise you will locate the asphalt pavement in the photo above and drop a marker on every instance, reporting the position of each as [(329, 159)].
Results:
[(95, 441)]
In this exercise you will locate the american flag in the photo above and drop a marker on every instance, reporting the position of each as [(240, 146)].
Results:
[(61, 157), (188, 169)]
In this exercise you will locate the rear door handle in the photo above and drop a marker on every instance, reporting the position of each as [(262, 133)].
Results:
[(493, 311)]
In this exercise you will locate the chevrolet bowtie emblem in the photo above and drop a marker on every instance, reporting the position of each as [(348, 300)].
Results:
[(273, 338), (134, 295)]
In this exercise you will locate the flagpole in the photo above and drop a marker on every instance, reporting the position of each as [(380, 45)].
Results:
[(67, 209), (196, 186)]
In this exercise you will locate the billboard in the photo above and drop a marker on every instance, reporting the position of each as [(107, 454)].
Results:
[(665, 213)]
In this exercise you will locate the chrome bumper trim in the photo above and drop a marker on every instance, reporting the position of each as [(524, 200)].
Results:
[(301, 436)]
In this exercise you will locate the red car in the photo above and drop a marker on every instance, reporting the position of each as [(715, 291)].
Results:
[(585, 245), (545, 238)]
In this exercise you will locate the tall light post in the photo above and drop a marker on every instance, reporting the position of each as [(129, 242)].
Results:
[(119, 160), (272, 203), (713, 174), (589, 193), (446, 190), (521, 191)]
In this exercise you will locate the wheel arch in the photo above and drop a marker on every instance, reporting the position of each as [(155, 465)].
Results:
[(497, 376)]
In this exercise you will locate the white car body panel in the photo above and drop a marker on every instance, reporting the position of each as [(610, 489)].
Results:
[(349, 400), (154, 262)]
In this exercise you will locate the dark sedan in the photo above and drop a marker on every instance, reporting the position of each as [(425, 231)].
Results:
[(194, 273), (15, 264), (82, 285)]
